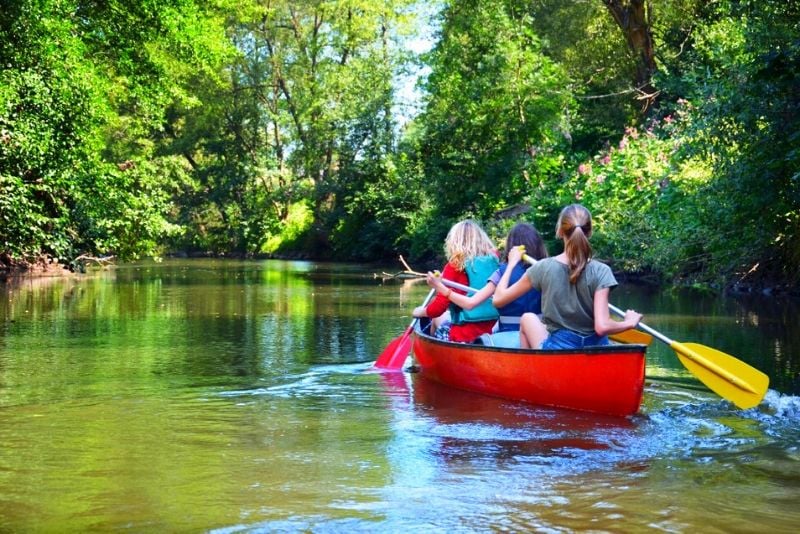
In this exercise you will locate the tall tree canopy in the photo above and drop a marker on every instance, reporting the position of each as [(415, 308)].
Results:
[(267, 127), (496, 108), (82, 92), (306, 120)]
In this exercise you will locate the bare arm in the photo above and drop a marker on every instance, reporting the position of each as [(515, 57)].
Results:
[(420, 311), (603, 323), (504, 294), (462, 301)]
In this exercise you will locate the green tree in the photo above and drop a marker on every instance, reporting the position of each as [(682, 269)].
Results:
[(495, 110), (305, 119), (742, 75), (84, 90)]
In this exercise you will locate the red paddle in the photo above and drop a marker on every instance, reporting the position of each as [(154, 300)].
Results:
[(394, 355)]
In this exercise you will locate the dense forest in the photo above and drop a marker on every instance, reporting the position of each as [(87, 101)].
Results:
[(265, 128)]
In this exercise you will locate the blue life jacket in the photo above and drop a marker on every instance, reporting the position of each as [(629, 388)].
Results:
[(529, 302), (478, 270)]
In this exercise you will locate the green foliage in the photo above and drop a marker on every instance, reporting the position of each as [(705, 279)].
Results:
[(290, 236), (251, 127), (304, 117), (496, 104), (586, 43), (704, 191), (83, 91), (743, 74)]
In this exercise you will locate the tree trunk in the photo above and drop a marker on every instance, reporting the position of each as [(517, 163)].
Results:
[(633, 18)]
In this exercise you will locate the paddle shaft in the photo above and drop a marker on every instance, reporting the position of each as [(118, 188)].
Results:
[(644, 327), (456, 285), (430, 296)]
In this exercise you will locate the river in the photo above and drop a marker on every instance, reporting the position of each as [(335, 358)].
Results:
[(238, 396)]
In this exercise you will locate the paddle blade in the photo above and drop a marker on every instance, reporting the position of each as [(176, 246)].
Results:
[(728, 377), (632, 337), (395, 354)]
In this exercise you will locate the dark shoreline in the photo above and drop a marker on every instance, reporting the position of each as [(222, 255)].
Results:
[(47, 267)]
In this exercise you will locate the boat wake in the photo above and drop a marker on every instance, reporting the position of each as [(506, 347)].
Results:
[(782, 406)]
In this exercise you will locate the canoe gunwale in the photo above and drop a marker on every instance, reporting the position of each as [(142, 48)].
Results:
[(604, 349)]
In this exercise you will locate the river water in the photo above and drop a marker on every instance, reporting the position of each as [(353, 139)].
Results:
[(231, 396)]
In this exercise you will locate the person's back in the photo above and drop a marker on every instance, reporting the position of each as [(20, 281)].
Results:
[(565, 304), (470, 253), (510, 314), (574, 288)]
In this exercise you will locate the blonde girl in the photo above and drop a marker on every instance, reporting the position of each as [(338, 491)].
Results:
[(471, 260), (506, 332)]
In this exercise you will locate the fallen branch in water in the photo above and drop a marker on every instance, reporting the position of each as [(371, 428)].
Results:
[(409, 270), (403, 275), (85, 258), (409, 273)]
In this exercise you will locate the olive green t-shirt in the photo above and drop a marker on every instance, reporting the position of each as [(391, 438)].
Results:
[(566, 305)]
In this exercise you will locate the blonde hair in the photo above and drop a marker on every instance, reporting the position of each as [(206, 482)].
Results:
[(574, 226), (466, 240)]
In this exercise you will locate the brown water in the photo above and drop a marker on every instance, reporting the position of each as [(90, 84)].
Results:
[(224, 396)]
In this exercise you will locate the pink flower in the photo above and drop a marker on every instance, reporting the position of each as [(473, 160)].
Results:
[(584, 168), (600, 178), (632, 132), (668, 119), (606, 160), (623, 143)]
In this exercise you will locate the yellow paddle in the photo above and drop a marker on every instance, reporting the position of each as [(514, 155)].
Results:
[(632, 337), (728, 377)]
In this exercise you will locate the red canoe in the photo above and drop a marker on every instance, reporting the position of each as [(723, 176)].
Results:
[(607, 380)]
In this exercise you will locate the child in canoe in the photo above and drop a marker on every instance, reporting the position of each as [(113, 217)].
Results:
[(507, 331), (471, 259), (574, 288)]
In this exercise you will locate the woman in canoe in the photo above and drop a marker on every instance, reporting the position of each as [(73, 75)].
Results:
[(471, 259), (507, 331), (574, 288)]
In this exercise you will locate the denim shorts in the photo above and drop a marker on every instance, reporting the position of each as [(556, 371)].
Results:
[(567, 339)]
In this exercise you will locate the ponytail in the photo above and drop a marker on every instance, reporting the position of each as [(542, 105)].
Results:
[(575, 227)]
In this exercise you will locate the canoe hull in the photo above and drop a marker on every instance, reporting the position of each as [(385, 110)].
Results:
[(608, 380)]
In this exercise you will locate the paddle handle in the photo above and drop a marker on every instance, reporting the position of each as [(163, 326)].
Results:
[(425, 302)]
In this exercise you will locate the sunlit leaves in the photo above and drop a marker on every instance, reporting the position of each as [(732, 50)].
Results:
[(495, 102), (85, 86)]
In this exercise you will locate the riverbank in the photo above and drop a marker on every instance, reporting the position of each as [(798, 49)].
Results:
[(50, 267), (43, 266)]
